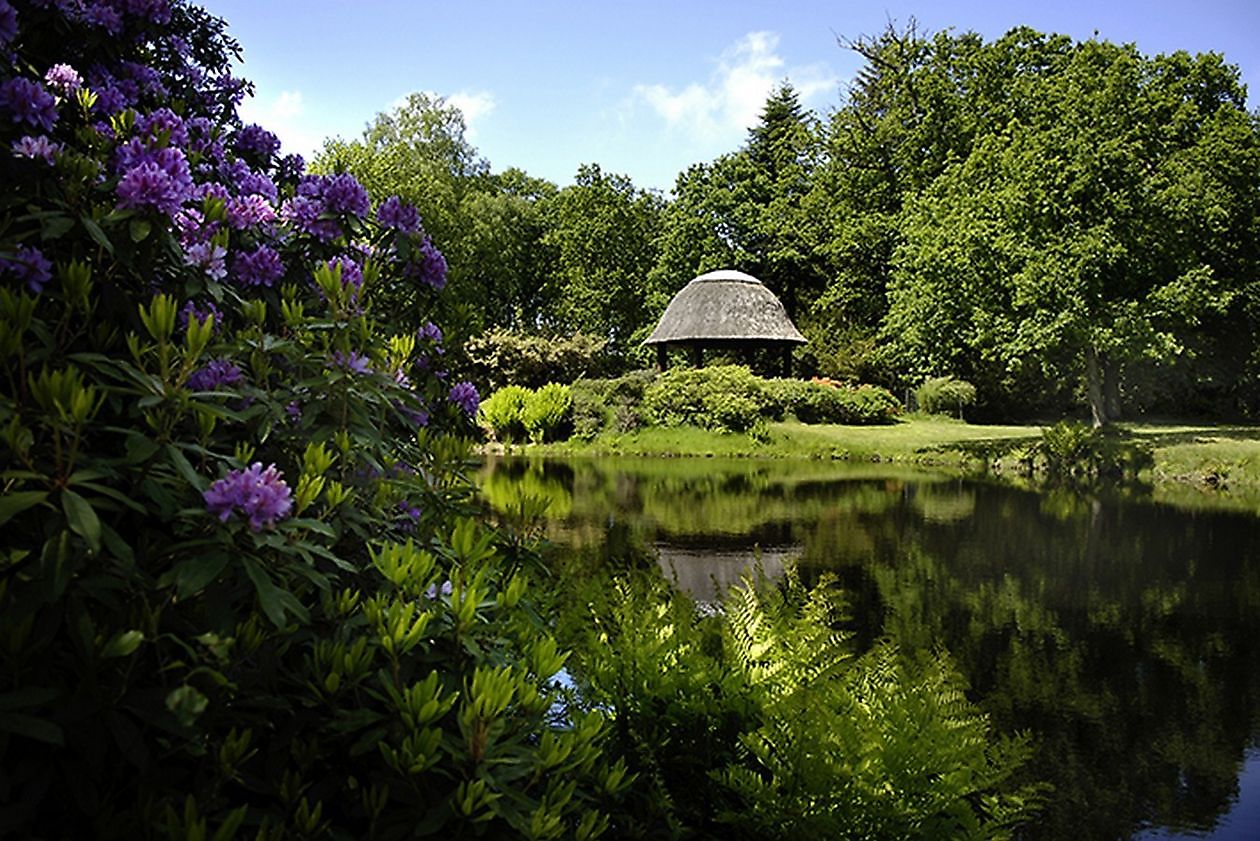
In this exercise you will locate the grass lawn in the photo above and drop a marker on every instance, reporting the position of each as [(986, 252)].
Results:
[(1190, 460)]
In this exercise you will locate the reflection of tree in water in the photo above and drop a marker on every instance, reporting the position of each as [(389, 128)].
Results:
[(1125, 637)]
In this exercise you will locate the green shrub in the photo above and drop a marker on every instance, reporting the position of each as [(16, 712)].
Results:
[(817, 402), (503, 413), (945, 395), (609, 404), (547, 412), (501, 357), (1075, 452), (724, 398)]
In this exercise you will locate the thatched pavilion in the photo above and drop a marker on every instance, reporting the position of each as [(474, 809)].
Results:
[(724, 310)]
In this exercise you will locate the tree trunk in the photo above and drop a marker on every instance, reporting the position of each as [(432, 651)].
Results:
[(1094, 388), (1111, 387)]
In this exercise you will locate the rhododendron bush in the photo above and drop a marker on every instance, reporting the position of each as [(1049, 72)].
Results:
[(241, 587)]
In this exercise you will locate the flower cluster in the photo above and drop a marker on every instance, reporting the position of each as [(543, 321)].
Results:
[(30, 266), (261, 267), (259, 494), (396, 214), (432, 266), (465, 396), (216, 374), (27, 102), (353, 362)]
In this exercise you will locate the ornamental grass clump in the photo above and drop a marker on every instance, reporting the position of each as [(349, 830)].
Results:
[(229, 482)]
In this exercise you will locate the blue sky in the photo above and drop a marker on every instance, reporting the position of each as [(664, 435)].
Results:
[(641, 88)]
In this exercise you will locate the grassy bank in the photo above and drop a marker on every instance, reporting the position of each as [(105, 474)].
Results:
[(1189, 460)]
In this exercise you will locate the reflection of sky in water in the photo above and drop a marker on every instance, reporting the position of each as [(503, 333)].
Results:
[(1241, 823)]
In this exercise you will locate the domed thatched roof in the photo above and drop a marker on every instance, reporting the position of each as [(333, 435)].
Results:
[(725, 306)]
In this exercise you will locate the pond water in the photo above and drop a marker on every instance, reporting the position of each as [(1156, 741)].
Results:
[(1123, 635)]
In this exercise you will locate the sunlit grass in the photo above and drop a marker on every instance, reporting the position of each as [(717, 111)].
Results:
[(1199, 455)]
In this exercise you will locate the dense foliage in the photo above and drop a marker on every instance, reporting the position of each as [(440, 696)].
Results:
[(241, 591), (1065, 225), (944, 395)]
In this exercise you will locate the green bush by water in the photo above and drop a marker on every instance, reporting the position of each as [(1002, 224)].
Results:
[(503, 413), (547, 413), (945, 395)]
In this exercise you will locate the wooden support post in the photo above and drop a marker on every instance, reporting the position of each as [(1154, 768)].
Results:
[(697, 356), (662, 357)]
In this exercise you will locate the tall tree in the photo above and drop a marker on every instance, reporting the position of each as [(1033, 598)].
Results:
[(1089, 233), (603, 232)]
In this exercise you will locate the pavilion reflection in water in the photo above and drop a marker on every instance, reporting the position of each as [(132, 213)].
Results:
[(706, 573)]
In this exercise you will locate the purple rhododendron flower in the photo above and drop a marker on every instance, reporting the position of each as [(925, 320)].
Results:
[(397, 214), (432, 266), (37, 148), (255, 141), (154, 11), (260, 267), (162, 121), (210, 257), (143, 78), (354, 362), (246, 211), (338, 194), (104, 16), (351, 274), (430, 332), (8, 23), (160, 180), (464, 394), (29, 265), (304, 213), (63, 79), (201, 313), (290, 168), (216, 374), (446, 589), (256, 183), (409, 516), (294, 411), (261, 495), (29, 103)]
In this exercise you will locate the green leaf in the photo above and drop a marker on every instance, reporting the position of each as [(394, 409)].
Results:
[(140, 448), (82, 519), (318, 526), (187, 704), (123, 643), (30, 696), (227, 830), (32, 728), (16, 503), (140, 230), (97, 234), (55, 227), (269, 595), (185, 467), (118, 547), (193, 574)]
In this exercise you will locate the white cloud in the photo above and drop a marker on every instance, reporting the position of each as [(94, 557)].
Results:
[(474, 105), (285, 114), (719, 111)]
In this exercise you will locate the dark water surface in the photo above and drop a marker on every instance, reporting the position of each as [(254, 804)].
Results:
[(1124, 635)]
